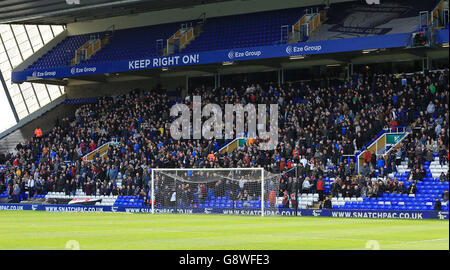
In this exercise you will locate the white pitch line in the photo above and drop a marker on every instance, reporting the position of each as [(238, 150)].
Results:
[(428, 240)]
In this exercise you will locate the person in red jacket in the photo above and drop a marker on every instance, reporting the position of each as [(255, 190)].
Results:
[(320, 188), (272, 198), (38, 132), (285, 200), (294, 202), (393, 124), (367, 157)]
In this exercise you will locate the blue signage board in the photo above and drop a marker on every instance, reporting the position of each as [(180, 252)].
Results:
[(208, 57), (373, 214), (219, 56)]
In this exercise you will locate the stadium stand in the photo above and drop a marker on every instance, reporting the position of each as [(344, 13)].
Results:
[(217, 33), (320, 128), (62, 53), (104, 153), (348, 20), (344, 20), (134, 43), (248, 30)]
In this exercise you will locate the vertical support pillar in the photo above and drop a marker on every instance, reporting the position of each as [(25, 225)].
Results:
[(280, 76), (152, 198), (349, 70), (216, 80), (262, 192), (425, 64)]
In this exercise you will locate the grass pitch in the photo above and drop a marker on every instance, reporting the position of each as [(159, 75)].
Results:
[(42, 231)]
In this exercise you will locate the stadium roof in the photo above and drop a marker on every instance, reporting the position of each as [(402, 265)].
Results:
[(60, 12)]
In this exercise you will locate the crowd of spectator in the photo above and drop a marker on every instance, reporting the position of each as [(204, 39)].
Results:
[(319, 127)]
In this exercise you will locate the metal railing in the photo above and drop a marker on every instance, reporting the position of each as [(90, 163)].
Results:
[(226, 147), (100, 151), (380, 143), (307, 24)]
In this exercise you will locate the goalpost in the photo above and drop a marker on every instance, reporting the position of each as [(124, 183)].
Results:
[(214, 190)]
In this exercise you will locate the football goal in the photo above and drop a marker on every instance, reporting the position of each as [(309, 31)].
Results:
[(214, 190)]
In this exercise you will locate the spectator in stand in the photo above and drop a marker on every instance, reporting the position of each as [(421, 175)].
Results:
[(347, 192), (306, 186), (294, 202), (381, 188), (443, 177), (371, 190), (243, 196), (412, 189), (356, 192), (431, 108), (373, 160), (382, 173), (320, 188), (2, 187), (415, 176), (143, 196), (335, 188), (31, 187), (16, 193), (327, 204), (401, 188), (38, 132), (365, 169), (319, 129), (272, 198), (437, 205), (285, 201), (445, 196), (67, 187)]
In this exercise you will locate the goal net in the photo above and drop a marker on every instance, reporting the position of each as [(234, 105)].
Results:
[(221, 191)]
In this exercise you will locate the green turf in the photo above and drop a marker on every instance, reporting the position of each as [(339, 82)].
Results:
[(42, 230)]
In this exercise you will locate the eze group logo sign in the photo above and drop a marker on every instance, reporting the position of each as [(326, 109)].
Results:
[(231, 54), (40, 74), (76, 70), (303, 49), (247, 53), (289, 49)]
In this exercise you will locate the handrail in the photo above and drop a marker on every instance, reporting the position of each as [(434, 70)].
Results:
[(227, 145), (86, 157), (395, 145), (184, 35), (88, 49), (383, 133), (312, 21), (408, 131), (436, 13)]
